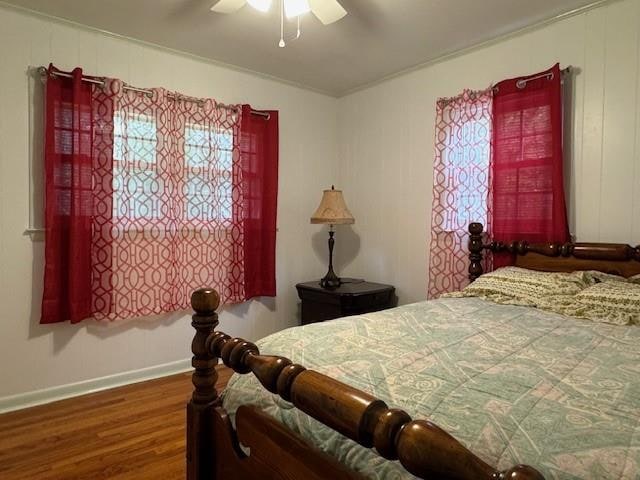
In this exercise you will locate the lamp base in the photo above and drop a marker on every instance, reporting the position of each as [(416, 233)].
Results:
[(330, 280)]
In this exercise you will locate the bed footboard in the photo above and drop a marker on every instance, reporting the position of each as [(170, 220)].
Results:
[(423, 448)]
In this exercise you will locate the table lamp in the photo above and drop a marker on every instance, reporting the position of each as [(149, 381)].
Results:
[(332, 211)]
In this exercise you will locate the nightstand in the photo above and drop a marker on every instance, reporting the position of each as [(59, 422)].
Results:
[(353, 297)]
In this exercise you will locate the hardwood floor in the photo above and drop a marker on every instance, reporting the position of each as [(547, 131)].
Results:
[(132, 432)]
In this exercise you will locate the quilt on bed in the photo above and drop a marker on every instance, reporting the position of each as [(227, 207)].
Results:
[(513, 384)]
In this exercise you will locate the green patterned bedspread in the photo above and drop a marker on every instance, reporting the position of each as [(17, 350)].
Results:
[(513, 384)]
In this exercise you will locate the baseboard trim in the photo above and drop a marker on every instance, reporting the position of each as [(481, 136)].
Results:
[(48, 395)]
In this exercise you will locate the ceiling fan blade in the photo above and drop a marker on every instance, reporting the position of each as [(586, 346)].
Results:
[(228, 6), (327, 11)]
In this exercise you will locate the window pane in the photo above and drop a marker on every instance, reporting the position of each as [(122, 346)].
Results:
[(209, 159), (208, 200), (197, 146), (225, 161), (205, 177), (137, 187), (466, 163), (225, 140), (136, 193)]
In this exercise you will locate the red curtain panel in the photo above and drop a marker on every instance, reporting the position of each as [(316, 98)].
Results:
[(527, 163), (259, 159), (68, 193)]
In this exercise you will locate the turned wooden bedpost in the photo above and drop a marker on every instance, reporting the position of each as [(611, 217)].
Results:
[(200, 448), (475, 250)]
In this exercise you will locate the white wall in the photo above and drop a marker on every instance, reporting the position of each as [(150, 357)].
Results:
[(37, 357), (386, 143)]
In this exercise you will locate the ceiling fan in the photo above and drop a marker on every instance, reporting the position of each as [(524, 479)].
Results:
[(327, 11)]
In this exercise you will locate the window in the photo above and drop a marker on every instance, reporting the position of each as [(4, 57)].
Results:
[(460, 185), (466, 165), (136, 182), (145, 196), (139, 182), (524, 189), (209, 175), (70, 179)]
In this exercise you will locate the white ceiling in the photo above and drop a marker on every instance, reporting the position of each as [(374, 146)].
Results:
[(376, 39)]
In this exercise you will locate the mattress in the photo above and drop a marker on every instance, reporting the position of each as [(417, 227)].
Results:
[(513, 384)]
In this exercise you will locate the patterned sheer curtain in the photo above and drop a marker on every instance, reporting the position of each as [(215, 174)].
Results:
[(460, 185), (168, 207)]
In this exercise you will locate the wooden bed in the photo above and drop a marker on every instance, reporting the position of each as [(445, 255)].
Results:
[(276, 452)]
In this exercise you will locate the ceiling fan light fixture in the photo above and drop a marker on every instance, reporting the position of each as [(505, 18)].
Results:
[(295, 8), (261, 5), (327, 11)]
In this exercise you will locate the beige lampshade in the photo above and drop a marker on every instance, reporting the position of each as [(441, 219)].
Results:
[(332, 209)]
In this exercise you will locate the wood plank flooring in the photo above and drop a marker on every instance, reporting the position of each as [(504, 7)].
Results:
[(132, 432)]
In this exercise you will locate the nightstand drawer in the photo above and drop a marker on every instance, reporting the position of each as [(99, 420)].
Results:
[(321, 297), (353, 297), (367, 302)]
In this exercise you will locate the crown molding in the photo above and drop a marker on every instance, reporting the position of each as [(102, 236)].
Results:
[(419, 66), (162, 48), (479, 46)]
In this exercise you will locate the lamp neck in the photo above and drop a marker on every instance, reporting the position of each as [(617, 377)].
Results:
[(330, 280)]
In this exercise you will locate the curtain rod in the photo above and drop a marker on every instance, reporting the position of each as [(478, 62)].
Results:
[(520, 84), (44, 71), (523, 81)]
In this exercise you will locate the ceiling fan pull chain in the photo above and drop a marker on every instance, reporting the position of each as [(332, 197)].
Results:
[(281, 44)]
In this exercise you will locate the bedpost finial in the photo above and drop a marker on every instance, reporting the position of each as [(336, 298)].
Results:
[(476, 228), (205, 301)]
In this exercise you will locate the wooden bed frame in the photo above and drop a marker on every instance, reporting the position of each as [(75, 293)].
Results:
[(277, 453), (615, 258)]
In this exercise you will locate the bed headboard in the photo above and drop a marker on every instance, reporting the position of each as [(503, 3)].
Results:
[(615, 258)]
